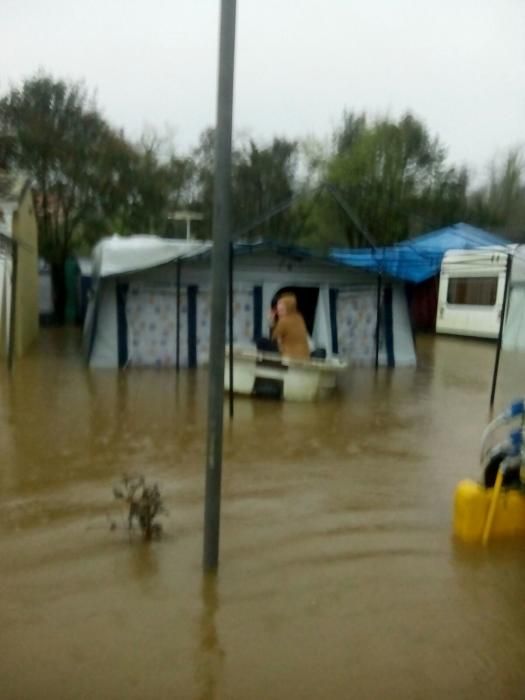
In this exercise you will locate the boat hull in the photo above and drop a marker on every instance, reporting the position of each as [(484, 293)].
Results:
[(271, 375)]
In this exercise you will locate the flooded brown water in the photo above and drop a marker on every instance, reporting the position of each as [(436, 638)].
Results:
[(339, 577)]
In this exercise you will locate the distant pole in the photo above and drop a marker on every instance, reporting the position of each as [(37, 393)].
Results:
[(177, 337), (188, 217), (230, 329), (220, 256), (12, 314), (508, 272)]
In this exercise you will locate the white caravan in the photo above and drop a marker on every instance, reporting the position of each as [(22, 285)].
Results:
[(471, 289)]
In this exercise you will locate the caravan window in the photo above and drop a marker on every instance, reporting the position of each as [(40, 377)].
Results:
[(476, 291)]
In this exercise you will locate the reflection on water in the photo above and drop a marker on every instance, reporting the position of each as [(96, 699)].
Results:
[(210, 655), (339, 577)]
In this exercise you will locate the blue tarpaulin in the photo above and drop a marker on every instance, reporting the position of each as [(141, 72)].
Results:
[(416, 259)]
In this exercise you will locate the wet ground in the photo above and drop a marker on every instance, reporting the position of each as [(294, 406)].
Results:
[(339, 577)]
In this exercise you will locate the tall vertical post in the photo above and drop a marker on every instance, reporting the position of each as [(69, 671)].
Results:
[(220, 255), (378, 316), (12, 313), (177, 335), (508, 272), (230, 330)]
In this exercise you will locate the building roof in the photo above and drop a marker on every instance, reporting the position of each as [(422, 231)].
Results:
[(417, 259)]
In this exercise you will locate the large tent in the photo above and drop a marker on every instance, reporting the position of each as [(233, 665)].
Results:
[(151, 303)]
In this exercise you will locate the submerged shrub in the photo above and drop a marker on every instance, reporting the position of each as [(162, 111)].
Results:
[(144, 504)]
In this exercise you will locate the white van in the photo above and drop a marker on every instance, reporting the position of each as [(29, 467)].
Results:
[(471, 288)]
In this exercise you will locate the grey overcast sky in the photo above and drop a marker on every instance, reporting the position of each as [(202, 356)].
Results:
[(459, 65)]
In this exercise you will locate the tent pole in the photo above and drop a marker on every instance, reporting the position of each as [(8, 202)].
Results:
[(177, 337), (230, 299), (501, 324), (378, 316), (12, 315), (221, 240)]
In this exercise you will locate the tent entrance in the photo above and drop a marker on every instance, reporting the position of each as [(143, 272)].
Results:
[(307, 298)]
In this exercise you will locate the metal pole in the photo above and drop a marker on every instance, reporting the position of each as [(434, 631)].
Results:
[(177, 336), (378, 313), (221, 235), (230, 299), (501, 324), (12, 315)]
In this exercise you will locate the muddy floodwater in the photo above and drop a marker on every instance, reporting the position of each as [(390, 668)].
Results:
[(339, 576)]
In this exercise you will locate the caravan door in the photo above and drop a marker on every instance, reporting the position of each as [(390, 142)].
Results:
[(471, 288)]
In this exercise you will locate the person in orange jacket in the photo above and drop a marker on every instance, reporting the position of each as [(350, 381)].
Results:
[(289, 330)]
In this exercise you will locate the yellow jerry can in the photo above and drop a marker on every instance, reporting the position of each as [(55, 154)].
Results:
[(471, 508)]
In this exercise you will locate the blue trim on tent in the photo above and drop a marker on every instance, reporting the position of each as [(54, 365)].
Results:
[(121, 291), (388, 319), (333, 293), (192, 325), (417, 259), (286, 250), (257, 312)]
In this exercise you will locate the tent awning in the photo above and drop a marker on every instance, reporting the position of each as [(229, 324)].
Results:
[(118, 255), (417, 259), (123, 254)]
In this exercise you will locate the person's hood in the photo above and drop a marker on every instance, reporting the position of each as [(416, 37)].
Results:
[(290, 302)]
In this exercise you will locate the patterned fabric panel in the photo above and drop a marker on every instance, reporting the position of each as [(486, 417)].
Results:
[(152, 326), (356, 326), (203, 325), (243, 316), (242, 320)]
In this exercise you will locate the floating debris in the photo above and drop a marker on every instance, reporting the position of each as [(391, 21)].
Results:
[(144, 505)]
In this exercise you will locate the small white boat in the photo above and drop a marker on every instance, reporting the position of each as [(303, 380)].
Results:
[(271, 375)]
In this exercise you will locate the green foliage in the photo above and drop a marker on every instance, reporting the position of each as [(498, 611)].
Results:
[(263, 178), (52, 131), (90, 181), (199, 186), (499, 204), (393, 176)]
